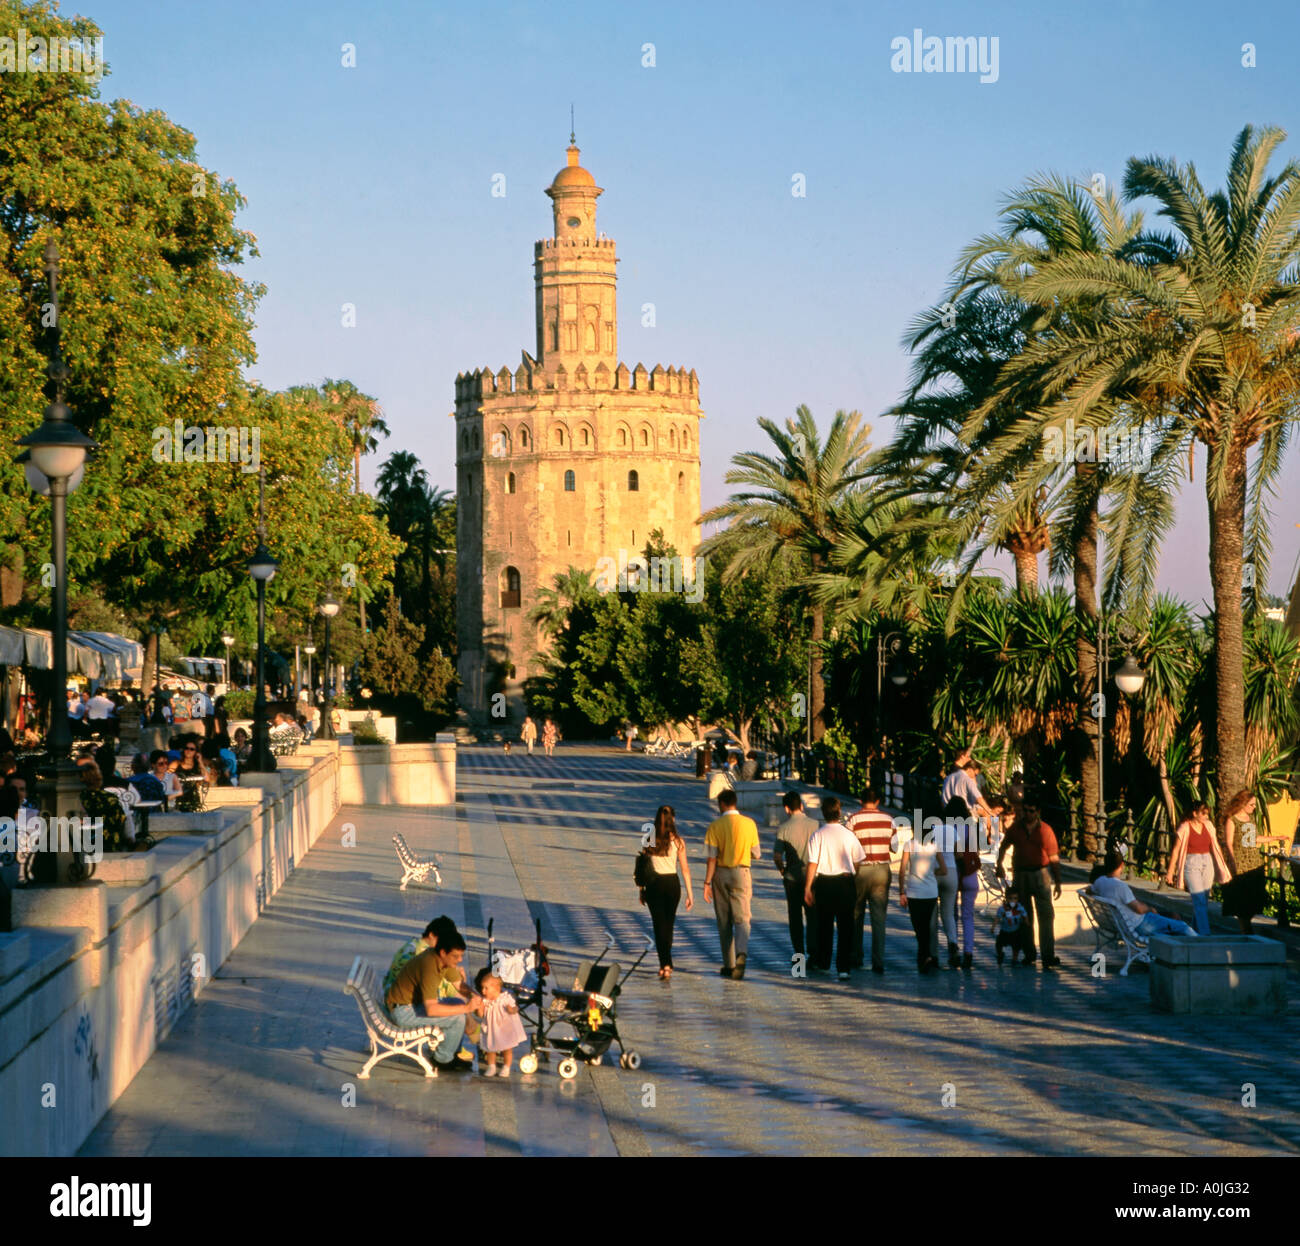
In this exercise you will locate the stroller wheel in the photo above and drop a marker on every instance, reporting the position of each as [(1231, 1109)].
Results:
[(528, 1063), (568, 1068), (594, 1060), (630, 1060)]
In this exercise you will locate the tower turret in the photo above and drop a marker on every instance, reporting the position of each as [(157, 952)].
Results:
[(577, 318)]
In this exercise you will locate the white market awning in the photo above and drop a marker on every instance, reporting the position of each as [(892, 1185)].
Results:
[(97, 655), (12, 647)]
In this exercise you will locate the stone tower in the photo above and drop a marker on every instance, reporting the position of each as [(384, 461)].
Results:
[(568, 461)]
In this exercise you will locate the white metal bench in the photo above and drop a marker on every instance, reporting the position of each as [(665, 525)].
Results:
[(413, 868), (387, 1039), (1112, 930)]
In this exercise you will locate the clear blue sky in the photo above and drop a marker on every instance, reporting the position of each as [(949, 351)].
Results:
[(372, 185)]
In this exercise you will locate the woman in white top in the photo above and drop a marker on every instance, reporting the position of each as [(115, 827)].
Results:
[(918, 893), (662, 892)]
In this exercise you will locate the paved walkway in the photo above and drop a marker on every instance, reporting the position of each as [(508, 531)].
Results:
[(1000, 1060)]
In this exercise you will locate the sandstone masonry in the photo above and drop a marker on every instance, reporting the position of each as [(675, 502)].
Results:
[(571, 458)]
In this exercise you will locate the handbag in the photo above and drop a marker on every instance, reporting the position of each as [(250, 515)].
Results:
[(641, 871)]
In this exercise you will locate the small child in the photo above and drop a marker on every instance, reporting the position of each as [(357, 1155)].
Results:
[(502, 1030), (1009, 928)]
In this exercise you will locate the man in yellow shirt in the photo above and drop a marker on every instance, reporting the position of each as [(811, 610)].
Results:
[(731, 843)]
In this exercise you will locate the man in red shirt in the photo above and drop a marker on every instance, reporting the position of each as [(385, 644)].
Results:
[(875, 831), (1035, 854)]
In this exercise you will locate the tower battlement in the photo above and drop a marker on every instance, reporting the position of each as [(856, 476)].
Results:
[(548, 246), (483, 383)]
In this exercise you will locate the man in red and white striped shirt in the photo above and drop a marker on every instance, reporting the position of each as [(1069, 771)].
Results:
[(874, 830)]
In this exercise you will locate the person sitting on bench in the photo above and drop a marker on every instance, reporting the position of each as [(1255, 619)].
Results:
[(1137, 918), (413, 998), (453, 983)]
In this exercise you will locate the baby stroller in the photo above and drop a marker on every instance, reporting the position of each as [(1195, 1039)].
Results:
[(588, 1010), (523, 971)]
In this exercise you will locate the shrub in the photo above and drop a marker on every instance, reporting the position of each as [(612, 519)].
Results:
[(367, 733), (239, 703)]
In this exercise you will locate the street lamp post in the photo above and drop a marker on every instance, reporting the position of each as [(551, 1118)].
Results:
[(329, 607), (262, 567), (891, 644), (227, 639), (1128, 679), (310, 651), (54, 461)]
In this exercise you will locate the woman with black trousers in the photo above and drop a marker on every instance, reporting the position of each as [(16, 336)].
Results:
[(662, 892), (918, 893)]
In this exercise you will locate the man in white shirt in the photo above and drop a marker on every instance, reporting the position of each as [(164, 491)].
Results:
[(99, 708), (1138, 918), (961, 782), (831, 888), (201, 709)]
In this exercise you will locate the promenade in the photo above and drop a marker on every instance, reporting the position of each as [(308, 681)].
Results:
[(997, 1061)]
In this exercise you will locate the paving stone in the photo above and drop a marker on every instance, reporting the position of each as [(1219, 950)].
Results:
[(1039, 1065)]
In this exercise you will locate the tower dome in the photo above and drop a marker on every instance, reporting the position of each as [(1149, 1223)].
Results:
[(573, 174)]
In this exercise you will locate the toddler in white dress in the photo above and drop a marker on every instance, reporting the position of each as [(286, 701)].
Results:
[(502, 1029)]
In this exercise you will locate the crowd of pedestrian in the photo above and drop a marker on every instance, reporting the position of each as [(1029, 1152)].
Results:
[(837, 875)]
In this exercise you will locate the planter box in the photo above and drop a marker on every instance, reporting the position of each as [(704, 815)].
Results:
[(398, 774), (760, 799), (1242, 974)]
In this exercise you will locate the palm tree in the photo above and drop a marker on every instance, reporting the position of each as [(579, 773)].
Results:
[(885, 557), (959, 350), (1054, 222), (412, 510), (789, 514), (551, 612), (1202, 343), (361, 418)]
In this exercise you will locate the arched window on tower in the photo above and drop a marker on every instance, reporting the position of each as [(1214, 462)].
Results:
[(633, 482), (476, 443), (509, 589), (686, 438), (622, 437), (645, 437), (570, 482), (584, 436), (672, 438), (510, 482), (559, 437), (523, 438)]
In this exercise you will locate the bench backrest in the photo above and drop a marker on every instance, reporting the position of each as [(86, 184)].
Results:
[(404, 850), (362, 985), (1106, 915)]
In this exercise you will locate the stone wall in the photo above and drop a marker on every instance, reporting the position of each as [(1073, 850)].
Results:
[(95, 975), (399, 774)]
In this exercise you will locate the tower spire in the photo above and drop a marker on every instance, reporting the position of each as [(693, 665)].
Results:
[(572, 138)]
